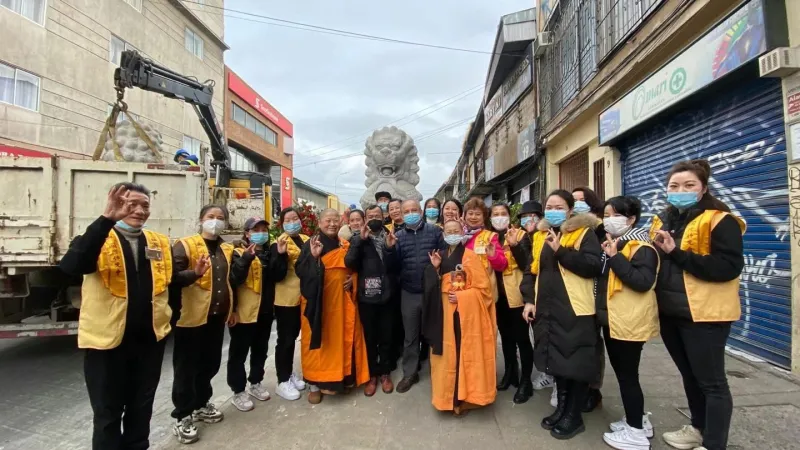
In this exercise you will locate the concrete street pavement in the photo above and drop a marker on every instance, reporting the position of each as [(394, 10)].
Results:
[(766, 416)]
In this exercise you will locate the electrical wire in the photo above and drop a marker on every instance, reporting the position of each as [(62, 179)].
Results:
[(352, 34)]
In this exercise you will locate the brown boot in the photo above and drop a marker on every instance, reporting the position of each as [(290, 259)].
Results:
[(315, 397), (386, 384), (371, 387)]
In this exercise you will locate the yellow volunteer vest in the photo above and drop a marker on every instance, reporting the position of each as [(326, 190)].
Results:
[(632, 316), (287, 292), (104, 294), (512, 276), (579, 290), (196, 298), (249, 293), (709, 301), (537, 244), (482, 241)]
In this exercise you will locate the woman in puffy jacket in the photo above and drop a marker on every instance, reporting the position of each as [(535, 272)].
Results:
[(701, 248), (565, 331)]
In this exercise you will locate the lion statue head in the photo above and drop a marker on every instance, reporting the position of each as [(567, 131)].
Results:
[(391, 153)]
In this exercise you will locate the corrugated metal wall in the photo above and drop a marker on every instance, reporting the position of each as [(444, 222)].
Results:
[(741, 132)]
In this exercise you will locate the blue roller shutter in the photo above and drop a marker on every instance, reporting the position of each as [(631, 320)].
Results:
[(741, 133)]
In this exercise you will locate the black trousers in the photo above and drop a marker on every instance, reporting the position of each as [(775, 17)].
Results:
[(398, 331), (196, 359), (625, 357), (514, 335), (698, 350), (122, 384), (288, 324), (252, 338), (377, 321)]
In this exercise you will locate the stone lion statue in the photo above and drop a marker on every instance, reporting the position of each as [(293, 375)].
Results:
[(131, 146), (391, 165)]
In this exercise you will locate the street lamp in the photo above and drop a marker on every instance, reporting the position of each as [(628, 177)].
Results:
[(336, 180)]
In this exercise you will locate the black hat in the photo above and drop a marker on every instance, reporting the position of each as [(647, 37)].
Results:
[(251, 223), (382, 194), (531, 207)]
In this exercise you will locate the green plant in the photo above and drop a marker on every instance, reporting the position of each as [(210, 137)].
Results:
[(515, 209)]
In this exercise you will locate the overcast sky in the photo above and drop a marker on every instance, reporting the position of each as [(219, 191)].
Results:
[(332, 87)]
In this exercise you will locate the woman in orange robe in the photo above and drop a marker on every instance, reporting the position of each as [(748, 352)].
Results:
[(457, 319), (333, 351)]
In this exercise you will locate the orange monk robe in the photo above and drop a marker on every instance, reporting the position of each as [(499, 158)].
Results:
[(471, 375), (340, 360)]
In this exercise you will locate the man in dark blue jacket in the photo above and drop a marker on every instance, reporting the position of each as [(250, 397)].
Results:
[(407, 252)]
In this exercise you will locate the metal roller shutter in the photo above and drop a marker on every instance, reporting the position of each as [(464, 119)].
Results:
[(741, 133)]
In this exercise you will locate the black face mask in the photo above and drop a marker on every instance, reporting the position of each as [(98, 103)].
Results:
[(375, 225)]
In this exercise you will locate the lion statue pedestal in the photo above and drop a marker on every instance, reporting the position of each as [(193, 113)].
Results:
[(391, 166)]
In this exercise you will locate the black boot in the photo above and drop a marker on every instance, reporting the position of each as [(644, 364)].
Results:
[(562, 387), (571, 423), (510, 377), (524, 392), (594, 399)]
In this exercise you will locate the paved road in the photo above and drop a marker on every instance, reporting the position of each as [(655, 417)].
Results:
[(44, 406)]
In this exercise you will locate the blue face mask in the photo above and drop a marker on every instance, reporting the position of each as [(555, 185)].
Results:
[(581, 207), (453, 239), (125, 227), (682, 200), (432, 213), (526, 220), (259, 238), (555, 216), (292, 228), (411, 219), (384, 206)]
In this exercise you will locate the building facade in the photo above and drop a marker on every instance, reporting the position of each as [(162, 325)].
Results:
[(626, 89), (305, 193), (260, 138), (57, 65)]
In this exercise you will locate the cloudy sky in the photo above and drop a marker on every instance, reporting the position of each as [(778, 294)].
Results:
[(334, 88)]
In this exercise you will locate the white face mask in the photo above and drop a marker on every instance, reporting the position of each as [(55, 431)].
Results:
[(500, 223), (214, 226), (616, 226)]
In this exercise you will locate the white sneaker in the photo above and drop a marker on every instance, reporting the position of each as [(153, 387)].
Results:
[(554, 396), (687, 438), (287, 391), (646, 425), (628, 438), (258, 391), (298, 382), (543, 381), (185, 431), (242, 402), (208, 414)]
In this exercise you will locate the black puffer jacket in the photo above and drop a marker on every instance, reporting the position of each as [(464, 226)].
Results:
[(638, 274), (409, 257), (565, 343), (363, 257), (725, 263)]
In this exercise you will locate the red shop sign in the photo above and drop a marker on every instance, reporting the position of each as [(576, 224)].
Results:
[(238, 87)]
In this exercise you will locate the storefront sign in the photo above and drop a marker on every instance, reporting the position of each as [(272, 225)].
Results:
[(526, 142), (515, 84), (286, 187), (731, 44), (8, 151), (238, 87)]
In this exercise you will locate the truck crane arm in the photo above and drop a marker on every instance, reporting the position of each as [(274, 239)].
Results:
[(139, 72)]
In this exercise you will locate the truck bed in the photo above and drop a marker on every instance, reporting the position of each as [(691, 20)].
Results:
[(47, 202)]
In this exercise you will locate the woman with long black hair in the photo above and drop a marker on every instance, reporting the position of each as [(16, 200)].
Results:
[(512, 327), (701, 248), (433, 211), (565, 331)]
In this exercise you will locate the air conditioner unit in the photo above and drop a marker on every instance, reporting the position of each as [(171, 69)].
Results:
[(781, 62), (543, 40)]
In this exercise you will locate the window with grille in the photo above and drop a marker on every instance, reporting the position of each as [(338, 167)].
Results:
[(574, 171), (600, 178), (617, 19)]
